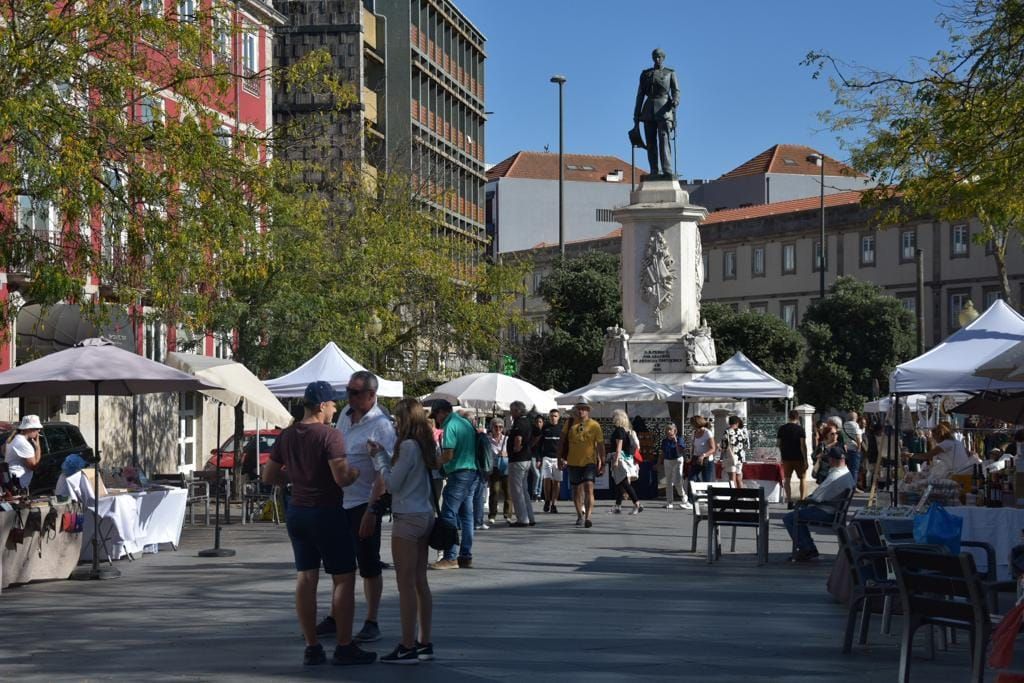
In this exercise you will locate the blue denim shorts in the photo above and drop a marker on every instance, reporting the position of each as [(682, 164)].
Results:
[(321, 535), (578, 475)]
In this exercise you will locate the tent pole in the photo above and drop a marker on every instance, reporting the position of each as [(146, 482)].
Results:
[(895, 447), (95, 572), (216, 550)]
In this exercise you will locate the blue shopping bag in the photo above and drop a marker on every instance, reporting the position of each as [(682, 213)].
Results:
[(938, 527)]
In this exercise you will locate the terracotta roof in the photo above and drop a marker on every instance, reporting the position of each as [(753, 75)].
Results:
[(617, 232), (789, 159), (791, 206), (578, 167)]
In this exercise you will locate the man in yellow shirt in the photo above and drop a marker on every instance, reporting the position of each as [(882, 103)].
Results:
[(583, 449)]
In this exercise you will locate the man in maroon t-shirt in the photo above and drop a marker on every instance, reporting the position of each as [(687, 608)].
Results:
[(311, 455)]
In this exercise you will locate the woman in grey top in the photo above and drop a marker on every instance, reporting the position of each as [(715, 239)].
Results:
[(407, 477)]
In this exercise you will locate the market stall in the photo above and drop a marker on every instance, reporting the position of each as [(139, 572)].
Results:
[(45, 548), (741, 378), (332, 365)]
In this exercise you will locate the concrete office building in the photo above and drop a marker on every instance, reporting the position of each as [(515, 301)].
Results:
[(522, 198), (419, 70)]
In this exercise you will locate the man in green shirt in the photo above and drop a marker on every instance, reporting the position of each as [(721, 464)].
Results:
[(458, 453)]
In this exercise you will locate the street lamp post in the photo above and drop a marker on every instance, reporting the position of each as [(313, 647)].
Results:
[(820, 161), (560, 80)]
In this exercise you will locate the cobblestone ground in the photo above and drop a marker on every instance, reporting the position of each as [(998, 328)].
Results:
[(623, 600)]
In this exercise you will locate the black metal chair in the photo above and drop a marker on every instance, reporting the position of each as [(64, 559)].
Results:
[(255, 495), (942, 590), (840, 506), (737, 508), (699, 496), (870, 586)]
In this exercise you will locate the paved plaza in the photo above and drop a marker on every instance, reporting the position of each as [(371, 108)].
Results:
[(625, 600)]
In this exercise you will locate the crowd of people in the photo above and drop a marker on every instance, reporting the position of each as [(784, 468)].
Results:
[(440, 471)]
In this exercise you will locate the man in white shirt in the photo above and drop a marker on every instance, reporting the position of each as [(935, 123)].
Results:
[(361, 422), (820, 506), (23, 451)]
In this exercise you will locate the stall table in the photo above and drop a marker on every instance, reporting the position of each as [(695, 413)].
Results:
[(41, 556), (766, 475)]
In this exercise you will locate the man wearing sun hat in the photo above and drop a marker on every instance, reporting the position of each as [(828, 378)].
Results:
[(23, 452), (583, 451)]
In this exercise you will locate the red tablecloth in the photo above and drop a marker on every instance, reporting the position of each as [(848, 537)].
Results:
[(764, 471)]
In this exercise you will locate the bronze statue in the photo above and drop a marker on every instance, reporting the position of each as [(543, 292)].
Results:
[(656, 102)]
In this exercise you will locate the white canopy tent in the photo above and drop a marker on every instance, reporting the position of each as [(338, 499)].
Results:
[(625, 387), (330, 365), (914, 402), (738, 377), (951, 366)]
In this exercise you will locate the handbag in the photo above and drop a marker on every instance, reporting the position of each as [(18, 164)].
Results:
[(938, 527), (444, 534)]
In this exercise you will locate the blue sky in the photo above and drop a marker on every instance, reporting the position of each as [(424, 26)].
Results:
[(738, 63)]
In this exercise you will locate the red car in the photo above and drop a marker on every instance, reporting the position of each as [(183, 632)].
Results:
[(227, 449)]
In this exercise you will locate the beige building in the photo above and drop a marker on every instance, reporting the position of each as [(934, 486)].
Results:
[(764, 258)]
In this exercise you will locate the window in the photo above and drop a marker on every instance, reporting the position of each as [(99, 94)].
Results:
[(908, 245), (154, 7), (867, 250), (759, 307), (757, 262), (222, 37), (990, 247), (187, 413), (115, 231), (151, 110), (729, 265), (787, 311), (154, 341), (788, 259), (36, 217), (537, 279), (909, 302), (960, 240), (957, 300), (707, 266), (250, 62), (186, 11), (817, 260), (604, 216), (222, 345), (991, 295), (224, 135)]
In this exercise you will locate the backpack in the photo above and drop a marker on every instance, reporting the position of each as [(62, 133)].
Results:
[(484, 454)]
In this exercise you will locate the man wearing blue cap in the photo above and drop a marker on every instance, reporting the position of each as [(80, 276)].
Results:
[(311, 456), (820, 506)]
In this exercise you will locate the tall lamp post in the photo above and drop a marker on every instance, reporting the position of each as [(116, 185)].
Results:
[(373, 328), (560, 80), (820, 162)]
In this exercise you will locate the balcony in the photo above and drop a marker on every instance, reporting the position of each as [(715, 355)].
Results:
[(369, 105), (369, 29)]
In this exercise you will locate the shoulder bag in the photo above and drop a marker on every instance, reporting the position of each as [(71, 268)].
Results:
[(444, 534)]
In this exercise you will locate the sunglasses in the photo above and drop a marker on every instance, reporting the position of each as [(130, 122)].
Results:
[(356, 392)]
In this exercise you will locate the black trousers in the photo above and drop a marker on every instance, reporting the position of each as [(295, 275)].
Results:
[(625, 488)]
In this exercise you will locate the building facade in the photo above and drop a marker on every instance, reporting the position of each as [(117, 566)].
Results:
[(174, 429), (522, 198)]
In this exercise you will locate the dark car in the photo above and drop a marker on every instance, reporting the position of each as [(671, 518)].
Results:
[(227, 449), (57, 440)]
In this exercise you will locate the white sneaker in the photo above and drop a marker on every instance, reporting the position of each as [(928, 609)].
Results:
[(636, 510), (670, 506), (686, 506), (616, 510)]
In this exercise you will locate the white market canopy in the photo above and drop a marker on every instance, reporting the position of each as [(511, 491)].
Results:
[(492, 391), (239, 385), (738, 377), (625, 387), (331, 365), (951, 366), (912, 402), (1008, 366)]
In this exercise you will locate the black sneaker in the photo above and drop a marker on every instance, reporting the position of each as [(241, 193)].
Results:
[(400, 655), (424, 651), (579, 520), (348, 655), (547, 507), (554, 509), (327, 627), (314, 655), (465, 562), (588, 524), (370, 633)]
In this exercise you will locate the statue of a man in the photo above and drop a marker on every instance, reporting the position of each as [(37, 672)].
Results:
[(657, 98), (616, 349)]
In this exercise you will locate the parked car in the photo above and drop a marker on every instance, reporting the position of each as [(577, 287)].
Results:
[(57, 441), (227, 449)]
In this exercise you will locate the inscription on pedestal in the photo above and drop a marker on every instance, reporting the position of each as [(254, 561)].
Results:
[(668, 357)]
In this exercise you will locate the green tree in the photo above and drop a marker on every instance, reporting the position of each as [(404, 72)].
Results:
[(159, 206), (583, 299), (763, 338), (856, 335), (947, 137)]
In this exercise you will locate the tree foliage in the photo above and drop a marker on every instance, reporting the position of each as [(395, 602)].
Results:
[(948, 136), (764, 339), (583, 299), (159, 206), (856, 335)]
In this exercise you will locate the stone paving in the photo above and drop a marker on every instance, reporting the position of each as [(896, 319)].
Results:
[(623, 600)]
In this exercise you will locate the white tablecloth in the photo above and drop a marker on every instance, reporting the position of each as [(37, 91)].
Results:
[(132, 522), (999, 527), (772, 489)]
